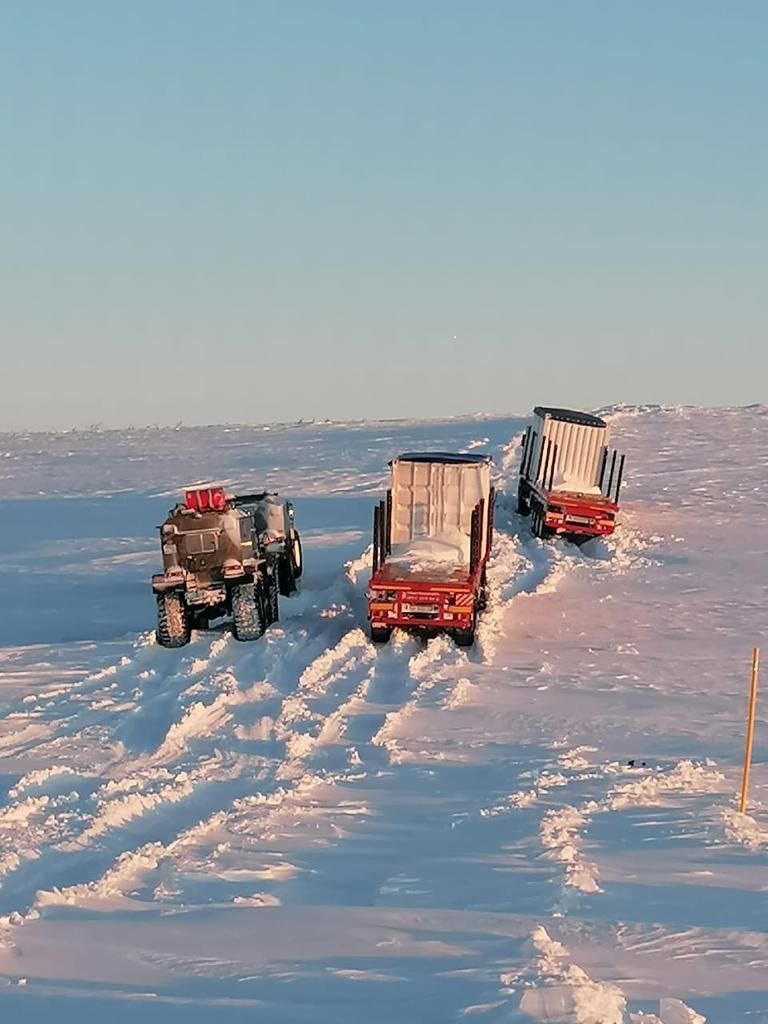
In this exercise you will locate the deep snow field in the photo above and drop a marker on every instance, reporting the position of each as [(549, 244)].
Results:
[(311, 829)]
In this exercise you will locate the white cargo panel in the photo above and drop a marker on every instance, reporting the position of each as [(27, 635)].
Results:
[(580, 448), (433, 501)]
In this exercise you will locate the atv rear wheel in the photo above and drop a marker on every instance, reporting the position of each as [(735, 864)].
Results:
[(173, 621), (247, 611)]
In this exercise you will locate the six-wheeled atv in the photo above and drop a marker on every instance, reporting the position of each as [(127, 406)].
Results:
[(225, 555)]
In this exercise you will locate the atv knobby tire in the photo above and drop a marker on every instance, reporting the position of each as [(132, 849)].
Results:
[(173, 620), (247, 611)]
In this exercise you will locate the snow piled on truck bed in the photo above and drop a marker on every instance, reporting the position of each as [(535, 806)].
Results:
[(311, 828)]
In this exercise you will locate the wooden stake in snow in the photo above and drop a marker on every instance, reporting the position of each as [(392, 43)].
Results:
[(750, 728)]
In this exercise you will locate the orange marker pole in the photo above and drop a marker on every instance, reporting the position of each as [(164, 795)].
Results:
[(750, 728)]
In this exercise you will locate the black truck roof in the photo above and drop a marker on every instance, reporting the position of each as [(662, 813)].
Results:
[(586, 419), (452, 458)]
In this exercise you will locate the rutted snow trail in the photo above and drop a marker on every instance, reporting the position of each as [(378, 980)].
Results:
[(536, 828)]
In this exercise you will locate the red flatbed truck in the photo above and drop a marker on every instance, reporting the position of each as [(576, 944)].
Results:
[(431, 541), (569, 479)]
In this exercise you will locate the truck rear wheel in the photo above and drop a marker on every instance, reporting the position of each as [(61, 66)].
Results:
[(538, 529), (535, 521), (465, 637), (247, 611), (380, 634), (173, 620)]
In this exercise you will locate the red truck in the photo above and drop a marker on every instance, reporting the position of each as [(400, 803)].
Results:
[(569, 479), (431, 540)]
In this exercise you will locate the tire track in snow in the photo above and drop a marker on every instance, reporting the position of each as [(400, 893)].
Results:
[(305, 648), (363, 689), (561, 830), (142, 787), (345, 706)]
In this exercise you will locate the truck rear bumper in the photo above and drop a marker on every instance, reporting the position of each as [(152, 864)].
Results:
[(565, 526), (410, 610)]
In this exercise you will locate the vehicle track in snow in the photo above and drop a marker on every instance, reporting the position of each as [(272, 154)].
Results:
[(172, 755), (188, 736)]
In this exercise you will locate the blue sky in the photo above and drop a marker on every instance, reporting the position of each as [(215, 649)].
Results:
[(250, 210)]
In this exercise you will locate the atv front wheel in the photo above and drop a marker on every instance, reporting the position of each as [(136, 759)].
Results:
[(286, 574), (247, 612), (173, 621), (297, 556)]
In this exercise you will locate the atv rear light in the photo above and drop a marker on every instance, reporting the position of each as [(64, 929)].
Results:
[(206, 499), (232, 569), (174, 572)]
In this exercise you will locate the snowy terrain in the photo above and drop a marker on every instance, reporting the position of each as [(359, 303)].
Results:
[(309, 828)]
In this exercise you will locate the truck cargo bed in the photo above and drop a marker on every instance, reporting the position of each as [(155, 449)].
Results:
[(438, 574)]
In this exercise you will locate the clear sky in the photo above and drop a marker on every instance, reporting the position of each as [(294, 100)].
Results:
[(249, 210)]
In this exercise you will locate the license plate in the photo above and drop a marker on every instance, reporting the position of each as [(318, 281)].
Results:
[(584, 520), (420, 609)]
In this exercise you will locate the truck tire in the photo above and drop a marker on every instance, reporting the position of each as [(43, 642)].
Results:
[(465, 637), (273, 604), (286, 575), (523, 508), (247, 611), (535, 520), (173, 620), (297, 556), (380, 634), (537, 523)]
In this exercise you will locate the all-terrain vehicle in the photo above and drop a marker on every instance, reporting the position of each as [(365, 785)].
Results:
[(225, 555)]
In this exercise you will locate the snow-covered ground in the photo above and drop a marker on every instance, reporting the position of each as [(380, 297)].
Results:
[(308, 828)]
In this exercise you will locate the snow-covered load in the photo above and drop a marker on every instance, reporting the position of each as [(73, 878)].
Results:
[(431, 539), (570, 480), (224, 554)]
